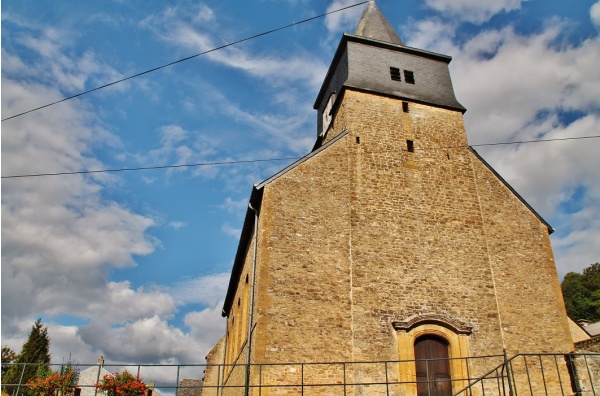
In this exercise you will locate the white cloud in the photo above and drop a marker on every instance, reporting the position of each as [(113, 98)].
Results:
[(60, 237), (476, 11), (231, 231), (180, 147), (595, 13), (173, 27), (65, 344), (432, 33), (343, 21), (147, 340), (206, 290), (206, 327), (177, 224), (232, 206), (205, 14)]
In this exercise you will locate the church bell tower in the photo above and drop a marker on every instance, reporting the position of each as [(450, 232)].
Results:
[(392, 241), (375, 60)]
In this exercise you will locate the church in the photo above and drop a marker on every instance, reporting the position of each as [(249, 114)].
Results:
[(392, 259)]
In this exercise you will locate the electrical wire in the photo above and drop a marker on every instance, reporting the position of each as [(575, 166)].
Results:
[(152, 167), (273, 159), (184, 59)]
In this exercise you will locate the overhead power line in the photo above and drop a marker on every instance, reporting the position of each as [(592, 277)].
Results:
[(270, 159), (152, 167), (185, 59), (536, 141)]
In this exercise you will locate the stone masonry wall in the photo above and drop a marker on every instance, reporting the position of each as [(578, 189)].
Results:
[(303, 282), (418, 246), (531, 306), (366, 233)]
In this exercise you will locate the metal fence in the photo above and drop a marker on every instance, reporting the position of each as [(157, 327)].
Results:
[(526, 374), (541, 374)]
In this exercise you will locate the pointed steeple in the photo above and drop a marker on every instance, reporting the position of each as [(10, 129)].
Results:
[(373, 25)]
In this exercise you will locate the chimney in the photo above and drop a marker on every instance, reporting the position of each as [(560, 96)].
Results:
[(101, 361)]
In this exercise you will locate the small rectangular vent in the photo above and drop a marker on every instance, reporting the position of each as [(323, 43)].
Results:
[(410, 146), (395, 73), (409, 77), (405, 107)]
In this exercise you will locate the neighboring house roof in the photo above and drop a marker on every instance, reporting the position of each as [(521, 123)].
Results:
[(88, 379), (578, 333), (593, 329), (190, 387)]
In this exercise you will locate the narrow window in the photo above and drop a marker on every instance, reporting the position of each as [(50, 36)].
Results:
[(395, 73), (358, 140), (409, 77), (410, 146), (405, 107)]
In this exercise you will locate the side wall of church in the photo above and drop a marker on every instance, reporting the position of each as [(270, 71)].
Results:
[(532, 310), (303, 299)]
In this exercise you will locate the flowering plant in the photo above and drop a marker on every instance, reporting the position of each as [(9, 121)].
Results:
[(124, 384), (49, 383)]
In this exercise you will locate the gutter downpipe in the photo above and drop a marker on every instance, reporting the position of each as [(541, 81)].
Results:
[(251, 304)]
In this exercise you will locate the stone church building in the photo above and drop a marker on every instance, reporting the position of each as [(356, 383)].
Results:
[(392, 259)]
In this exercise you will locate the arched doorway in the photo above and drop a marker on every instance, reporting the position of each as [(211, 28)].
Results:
[(432, 366)]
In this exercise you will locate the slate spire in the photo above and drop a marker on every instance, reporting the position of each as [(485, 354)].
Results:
[(373, 25)]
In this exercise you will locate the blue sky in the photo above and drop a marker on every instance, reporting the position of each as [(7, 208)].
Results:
[(134, 265)]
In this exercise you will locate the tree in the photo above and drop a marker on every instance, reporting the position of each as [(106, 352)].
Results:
[(582, 293), (577, 297), (35, 353), (8, 356), (591, 277)]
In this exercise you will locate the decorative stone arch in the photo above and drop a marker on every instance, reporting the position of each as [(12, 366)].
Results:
[(454, 332)]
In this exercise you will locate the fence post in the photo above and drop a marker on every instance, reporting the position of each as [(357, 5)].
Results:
[(177, 383), (97, 379), (506, 366), (344, 367), (387, 380), (573, 373), (21, 379)]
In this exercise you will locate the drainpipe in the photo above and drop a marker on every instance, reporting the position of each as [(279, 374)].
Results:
[(251, 304), (221, 373)]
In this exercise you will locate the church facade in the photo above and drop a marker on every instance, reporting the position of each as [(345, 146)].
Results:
[(390, 243)]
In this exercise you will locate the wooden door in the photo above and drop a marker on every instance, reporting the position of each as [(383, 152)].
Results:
[(433, 367)]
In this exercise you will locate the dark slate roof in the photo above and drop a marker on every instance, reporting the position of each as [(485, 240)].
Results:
[(363, 62), (375, 26)]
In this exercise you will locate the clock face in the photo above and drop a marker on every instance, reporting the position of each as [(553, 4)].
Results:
[(327, 116)]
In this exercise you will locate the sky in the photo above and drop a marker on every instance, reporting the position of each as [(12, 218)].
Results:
[(134, 265)]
